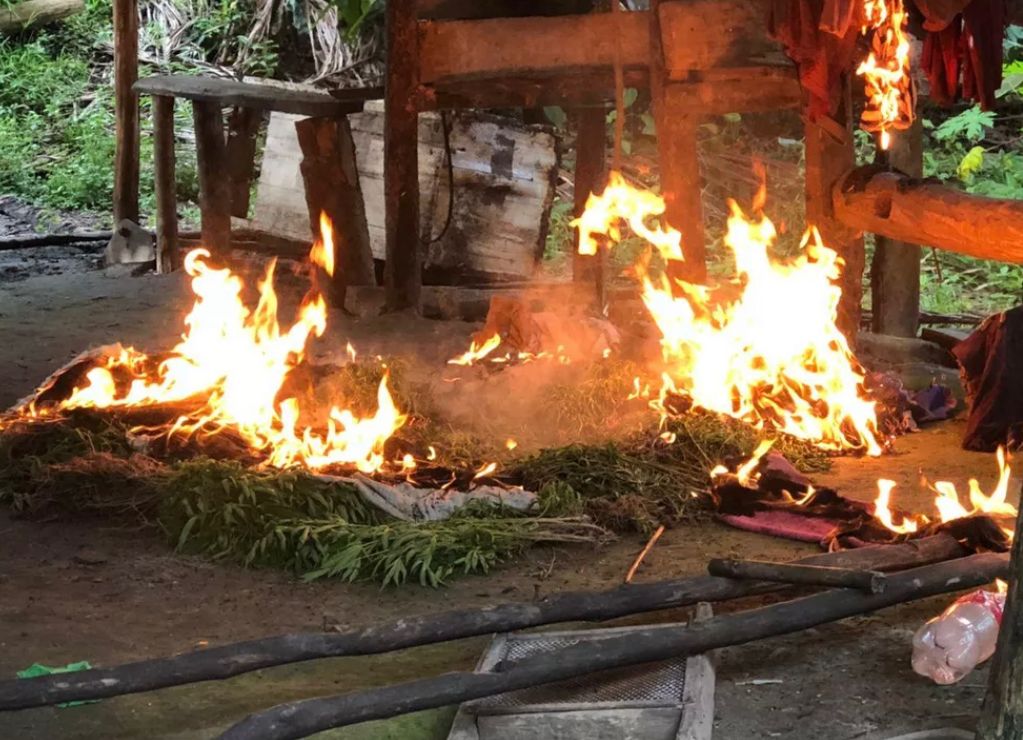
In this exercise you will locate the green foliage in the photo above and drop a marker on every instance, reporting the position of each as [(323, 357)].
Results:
[(972, 124), (355, 14)]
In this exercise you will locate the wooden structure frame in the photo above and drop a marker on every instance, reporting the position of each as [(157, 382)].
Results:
[(698, 58)]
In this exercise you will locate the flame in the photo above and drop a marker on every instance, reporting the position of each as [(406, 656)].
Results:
[(350, 351), (884, 515), (948, 502), (322, 252), (774, 357), (510, 444), (477, 351), (486, 470), (885, 71), (236, 361)]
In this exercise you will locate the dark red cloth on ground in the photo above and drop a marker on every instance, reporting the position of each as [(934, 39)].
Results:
[(991, 363), (962, 55)]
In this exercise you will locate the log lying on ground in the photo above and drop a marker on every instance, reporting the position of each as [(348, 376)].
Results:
[(231, 660), (928, 212), (303, 718), (810, 575), (53, 240), (35, 13)]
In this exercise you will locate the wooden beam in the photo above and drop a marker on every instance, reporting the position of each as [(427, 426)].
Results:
[(895, 267), (696, 34), (746, 90), (932, 213), (34, 13), (126, 111), (1001, 716), (402, 270), (829, 154), (165, 184), (214, 185), (228, 93), (242, 129), (590, 159), (332, 187)]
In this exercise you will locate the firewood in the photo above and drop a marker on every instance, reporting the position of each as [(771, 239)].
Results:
[(811, 575), (302, 718), (231, 660)]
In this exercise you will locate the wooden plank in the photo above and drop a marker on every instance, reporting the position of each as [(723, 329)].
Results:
[(332, 187), (829, 154), (697, 34), (242, 129), (126, 111), (229, 93), (214, 191), (496, 232), (698, 691), (165, 184), (749, 90), (590, 161), (403, 269), (582, 87), (35, 13), (895, 267)]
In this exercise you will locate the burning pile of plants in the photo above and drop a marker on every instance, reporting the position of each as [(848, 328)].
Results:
[(238, 446)]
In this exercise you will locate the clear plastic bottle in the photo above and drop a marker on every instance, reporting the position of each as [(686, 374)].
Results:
[(951, 645)]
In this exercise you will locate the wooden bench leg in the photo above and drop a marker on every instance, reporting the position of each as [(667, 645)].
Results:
[(214, 182), (331, 180), (242, 128), (682, 188), (402, 271), (165, 185), (590, 155)]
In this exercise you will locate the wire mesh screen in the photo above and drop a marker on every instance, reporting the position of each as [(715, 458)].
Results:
[(651, 684)]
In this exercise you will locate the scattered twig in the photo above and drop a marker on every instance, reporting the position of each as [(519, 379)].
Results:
[(643, 553)]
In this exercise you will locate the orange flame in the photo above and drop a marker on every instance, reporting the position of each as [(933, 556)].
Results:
[(237, 360), (322, 252), (885, 71), (774, 357), (477, 351), (948, 502)]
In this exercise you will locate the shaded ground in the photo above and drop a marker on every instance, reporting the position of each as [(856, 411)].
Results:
[(73, 591)]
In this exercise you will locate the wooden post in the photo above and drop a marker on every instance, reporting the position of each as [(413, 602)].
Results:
[(332, 187), (242, 127), (402, 271), (678, 160), (1001, 717), (590, 155), (895, 268), (214, 190), (165, 184), (829, 154), (126, 107)]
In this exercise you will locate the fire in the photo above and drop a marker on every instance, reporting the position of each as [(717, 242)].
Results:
[(885, 71), (234, 361), (773, 357), (477, 351), (948, 502), (322, 252)]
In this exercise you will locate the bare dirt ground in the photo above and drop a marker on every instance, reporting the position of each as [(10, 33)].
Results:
[(85, 591)]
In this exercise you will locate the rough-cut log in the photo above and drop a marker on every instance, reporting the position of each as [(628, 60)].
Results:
[(677, 152), (227, 92), (810, 575), (829, 154), (126, 111), (332, 188), (165, 184), (214, 185), (231, 660), (35, 13), (53, 240), (402, 270), (303, 718), (590, 159), (932, 213), (895, 267), (242, 129), (1002, 714)]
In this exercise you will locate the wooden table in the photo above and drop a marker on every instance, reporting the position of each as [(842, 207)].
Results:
[(226, 162)]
